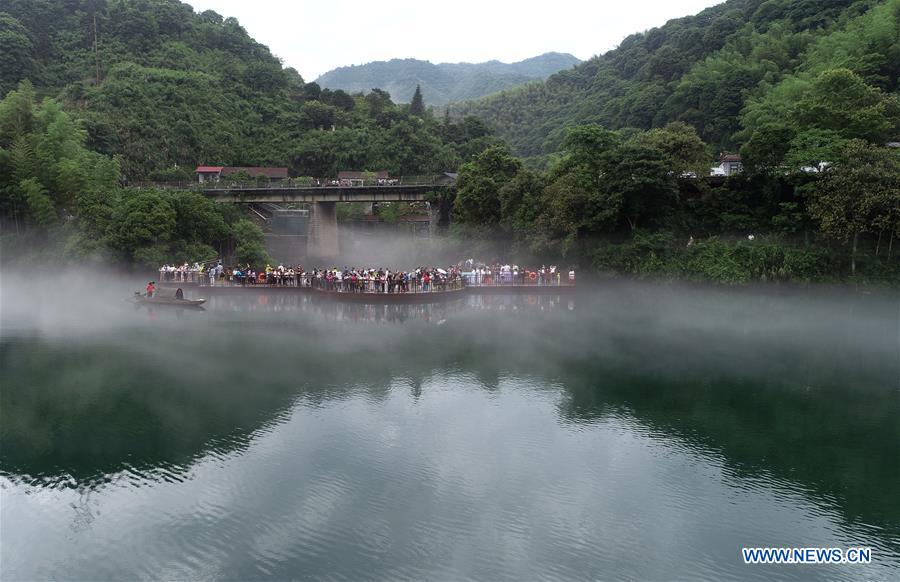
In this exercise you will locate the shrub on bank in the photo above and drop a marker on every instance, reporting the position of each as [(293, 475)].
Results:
[(737, 262)]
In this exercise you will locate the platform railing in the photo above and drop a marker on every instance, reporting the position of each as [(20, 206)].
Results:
[(309, 281), (186, 277), (512, 279), (369, 286)]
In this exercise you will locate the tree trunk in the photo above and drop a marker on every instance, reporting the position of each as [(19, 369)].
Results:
[(878, 241), (96, 49), (853, 254), (890, 245)]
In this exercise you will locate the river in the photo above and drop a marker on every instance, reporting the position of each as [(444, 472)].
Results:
[(631, 431)]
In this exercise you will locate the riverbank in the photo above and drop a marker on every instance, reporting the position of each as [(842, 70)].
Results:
[(741, 262), (650, 256)]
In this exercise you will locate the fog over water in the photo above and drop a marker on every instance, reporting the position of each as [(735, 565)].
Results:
[(631, 430)]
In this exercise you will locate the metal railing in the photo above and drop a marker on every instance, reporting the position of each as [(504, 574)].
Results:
[(524, 278), (187, 277), (382, 287), (274, 279), (332, 285)]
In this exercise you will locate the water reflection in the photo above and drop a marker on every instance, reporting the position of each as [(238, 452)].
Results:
[(383, 313), (507, 411)]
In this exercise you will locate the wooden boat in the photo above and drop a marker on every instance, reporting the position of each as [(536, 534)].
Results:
[(174, 301)]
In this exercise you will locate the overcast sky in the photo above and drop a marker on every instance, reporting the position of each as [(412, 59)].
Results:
[(317, 36)]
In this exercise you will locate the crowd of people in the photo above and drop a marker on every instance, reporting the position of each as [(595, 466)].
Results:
[(345, 280), (382, 280), (496, 273), (368, 279)]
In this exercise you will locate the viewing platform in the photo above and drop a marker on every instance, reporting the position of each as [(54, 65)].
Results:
[(420, 296), (374, 290), (367, 293)]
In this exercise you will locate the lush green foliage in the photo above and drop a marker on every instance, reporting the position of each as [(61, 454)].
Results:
[(626, 202), (250, 249), (45, 170), (444, 82), (150, 90), (167, 89), (806, 90), (730, 71), (53, 189), (417, 105), (662, 255)]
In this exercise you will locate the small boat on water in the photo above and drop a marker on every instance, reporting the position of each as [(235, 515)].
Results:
[(161, 300)]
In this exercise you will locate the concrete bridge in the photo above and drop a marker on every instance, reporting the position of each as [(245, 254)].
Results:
[(321, 194), (322, 239)]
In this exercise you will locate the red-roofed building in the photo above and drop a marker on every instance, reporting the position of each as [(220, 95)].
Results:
[(214, 173), (208, 173)]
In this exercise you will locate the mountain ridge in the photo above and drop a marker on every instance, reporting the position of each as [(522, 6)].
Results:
[(443, 83), (715, 70)]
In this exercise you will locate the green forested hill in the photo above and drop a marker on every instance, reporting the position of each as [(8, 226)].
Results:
[(444, 82), (100, 95), (807, 90), (166, 89), (164, 86), (716, 71)]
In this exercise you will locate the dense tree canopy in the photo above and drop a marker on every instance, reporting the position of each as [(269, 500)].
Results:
[(858, 194), (101, 94), (417, 105), (729, 71), (50, 183), (178, 89)]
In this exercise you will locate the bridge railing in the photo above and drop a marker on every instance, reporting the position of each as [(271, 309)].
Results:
[(294, 183)]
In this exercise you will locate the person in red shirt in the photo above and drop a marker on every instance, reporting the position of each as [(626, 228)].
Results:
[(150, 289)]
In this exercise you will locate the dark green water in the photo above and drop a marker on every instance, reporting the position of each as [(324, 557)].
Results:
[(631, 432)]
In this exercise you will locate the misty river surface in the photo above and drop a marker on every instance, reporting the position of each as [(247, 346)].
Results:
[(629, 431)]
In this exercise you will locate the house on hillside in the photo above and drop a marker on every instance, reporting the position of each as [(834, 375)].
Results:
[(215, 173), (729, 165), (208, 173), (349, 178)]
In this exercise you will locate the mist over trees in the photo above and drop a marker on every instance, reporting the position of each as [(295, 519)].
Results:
[(806, 92), (56, 193), (629, 201), (605, 164), (444, 83)]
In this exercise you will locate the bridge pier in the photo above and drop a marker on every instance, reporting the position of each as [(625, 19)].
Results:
[(434, 218), (322, 241)]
